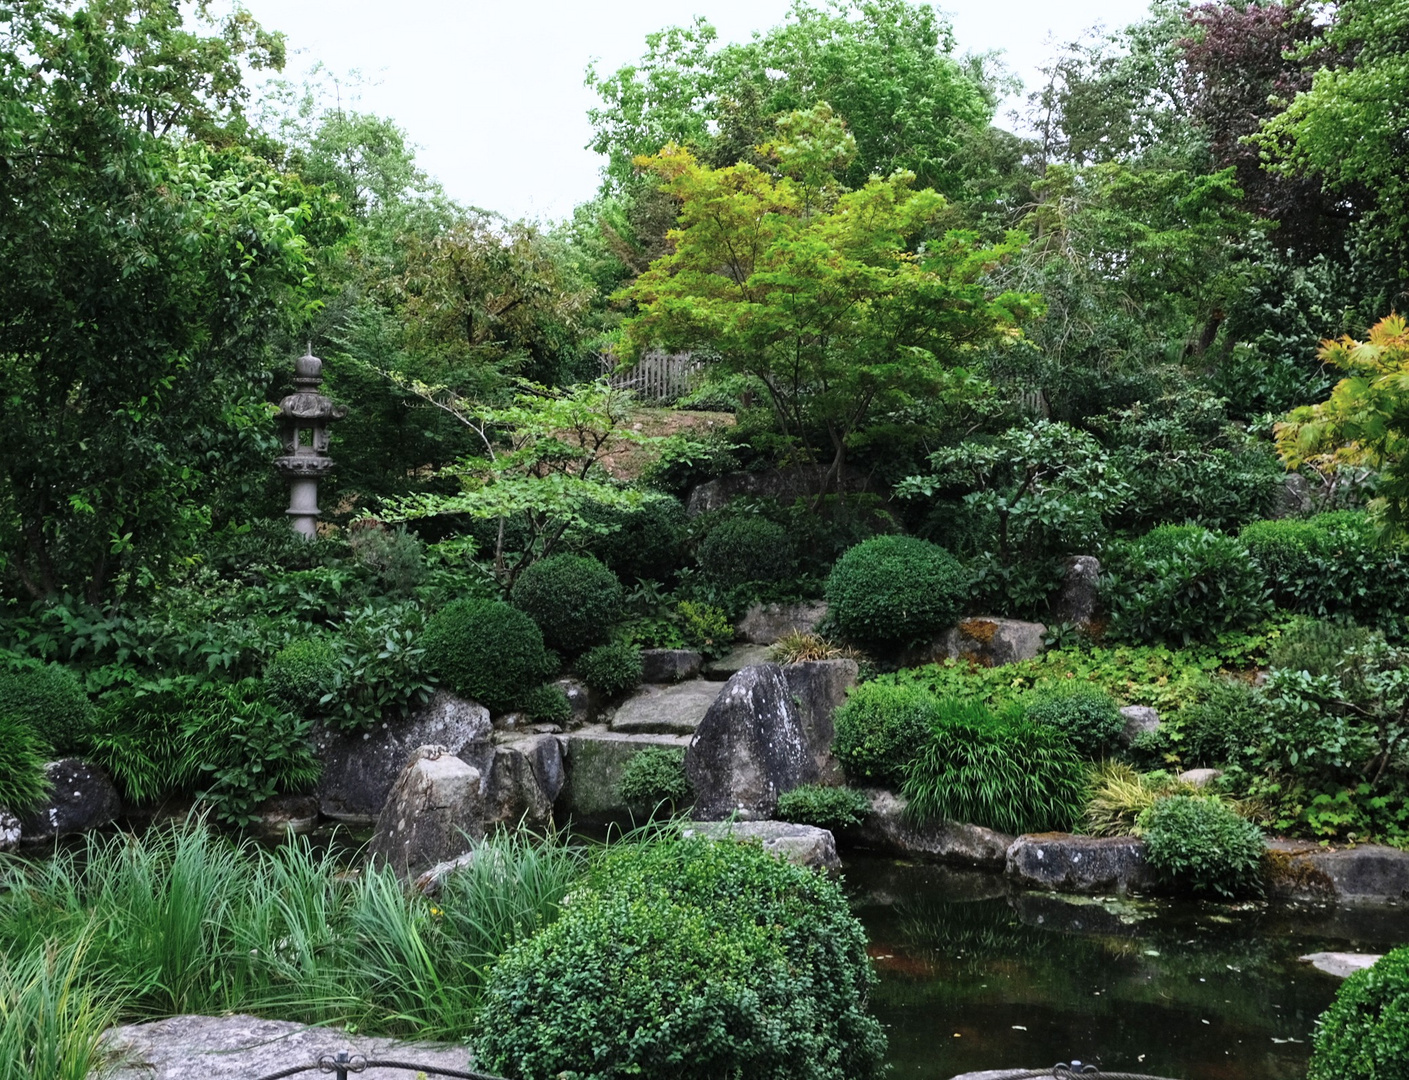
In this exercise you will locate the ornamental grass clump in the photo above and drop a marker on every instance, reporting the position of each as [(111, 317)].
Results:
[(23, 782), (891, 591), (997, 770), (691, 959), (1197, 844)]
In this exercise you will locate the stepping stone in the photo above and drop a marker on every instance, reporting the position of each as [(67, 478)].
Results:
[(1340, 964), (666, 710)]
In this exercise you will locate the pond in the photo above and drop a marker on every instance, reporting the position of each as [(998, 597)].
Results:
[(976, 975)]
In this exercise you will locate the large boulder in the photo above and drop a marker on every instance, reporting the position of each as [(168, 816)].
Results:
[(666, 710), (669, 665), (240, 1047), (9, 831), (523, 777), (434, 813), (81, 797), (1063, 862), (359, 767), (987, 642), (594, 759), (1364, 874), (818, 689), (887, 827), (1080, 594), (803, 845), (749, 748), (1139, 720), (763, 624)]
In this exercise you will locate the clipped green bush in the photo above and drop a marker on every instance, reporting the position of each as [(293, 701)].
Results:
[(1317, 646), (1086, 714), (1181, 583), (613, 669), (997, 770), (743, 549), (879, 729), (646, 542), (655, 776), (1224, 726), (300, 673), (1197, 844), (1287, 551), (894, 590), (825, 807), (574, 599), (485, 650), (689, 959), (23, 782), (51, 701), (1364, 1035), (547, 703)]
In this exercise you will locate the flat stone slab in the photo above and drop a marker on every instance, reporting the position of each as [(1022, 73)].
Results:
[(244, 1047), (804, 845), (1079, 864), (887, 828), (736, 659), (1340, 964), (763, 624), (666, 710), (1363, 874), (593, 759)]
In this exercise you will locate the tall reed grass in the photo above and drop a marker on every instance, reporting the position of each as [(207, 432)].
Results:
[(187, 920)]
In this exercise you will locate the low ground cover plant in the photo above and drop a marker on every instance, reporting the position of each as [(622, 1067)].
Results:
[(688, 958), (825, 807)]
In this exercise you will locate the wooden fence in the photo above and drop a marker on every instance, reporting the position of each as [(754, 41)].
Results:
[(658, 377)]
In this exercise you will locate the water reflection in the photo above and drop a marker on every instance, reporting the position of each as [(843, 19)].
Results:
[(975, 976)]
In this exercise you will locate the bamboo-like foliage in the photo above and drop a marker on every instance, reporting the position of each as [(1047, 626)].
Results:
[(51, 1019)]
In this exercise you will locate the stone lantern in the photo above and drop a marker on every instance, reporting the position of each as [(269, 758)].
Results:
[(304, 417)]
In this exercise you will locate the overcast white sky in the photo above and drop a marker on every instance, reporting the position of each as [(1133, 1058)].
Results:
[(491, 91)]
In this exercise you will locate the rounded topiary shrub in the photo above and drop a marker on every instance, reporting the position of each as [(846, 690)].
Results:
[(894, 590), (1181, 583), (574, 599), (23, 782), (1197, 844), (485, 650), (51, 701), (997, 770), (744, 549), (547, 703), (300, 673), (1364, 1035), (646, 541), (694, 960), (825, 807), (1086, 714), (879, 729), (655, 777), (612, 669)]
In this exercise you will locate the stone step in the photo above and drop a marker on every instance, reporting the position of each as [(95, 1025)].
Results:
[(735, 660), (666, 710)]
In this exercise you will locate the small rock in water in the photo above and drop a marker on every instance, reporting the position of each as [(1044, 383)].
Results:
[(1340, 964)]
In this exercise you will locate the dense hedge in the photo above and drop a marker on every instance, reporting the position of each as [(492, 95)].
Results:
[(574, 599), (487, 651), (688, 959), (300, 673), (1086, 714), (644, 542), (743, 549), (895, 590)]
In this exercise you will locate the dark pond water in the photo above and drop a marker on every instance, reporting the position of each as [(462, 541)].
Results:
[(975, 976)]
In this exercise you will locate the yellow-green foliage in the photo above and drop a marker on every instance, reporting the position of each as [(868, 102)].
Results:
[(1119, 795)]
